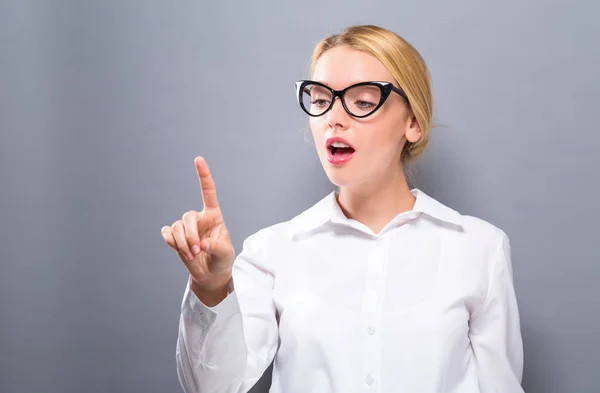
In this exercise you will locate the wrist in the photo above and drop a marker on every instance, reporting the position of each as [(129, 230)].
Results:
[(212, 293)]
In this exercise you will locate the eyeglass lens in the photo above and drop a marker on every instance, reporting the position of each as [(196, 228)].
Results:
[(360, 100)]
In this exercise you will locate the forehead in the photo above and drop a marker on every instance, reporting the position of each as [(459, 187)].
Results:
[(340, 67)]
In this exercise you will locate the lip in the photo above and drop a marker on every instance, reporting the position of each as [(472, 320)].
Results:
[(329, 141), (334, 159), (338, 160)]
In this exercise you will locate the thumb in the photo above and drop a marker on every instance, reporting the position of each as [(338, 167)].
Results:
[(220, 249)]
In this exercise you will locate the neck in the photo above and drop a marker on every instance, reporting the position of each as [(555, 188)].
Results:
[(377, 203)]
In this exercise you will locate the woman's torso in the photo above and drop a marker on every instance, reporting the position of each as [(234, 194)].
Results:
[(361, 313)]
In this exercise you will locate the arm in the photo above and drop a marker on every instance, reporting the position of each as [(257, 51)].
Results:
[(226, 348), (495, 332)]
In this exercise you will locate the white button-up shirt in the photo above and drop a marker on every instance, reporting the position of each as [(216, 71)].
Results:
[(425, 306)]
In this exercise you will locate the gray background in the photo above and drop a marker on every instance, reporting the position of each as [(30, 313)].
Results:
[(105, 104)]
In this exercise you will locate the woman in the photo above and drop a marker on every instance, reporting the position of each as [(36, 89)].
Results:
[(376, 287)]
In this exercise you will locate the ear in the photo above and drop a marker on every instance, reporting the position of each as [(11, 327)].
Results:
[(413, 132)]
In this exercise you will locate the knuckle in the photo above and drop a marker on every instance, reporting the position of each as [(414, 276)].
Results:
[(189, 215), (190, 237), (177, 226)]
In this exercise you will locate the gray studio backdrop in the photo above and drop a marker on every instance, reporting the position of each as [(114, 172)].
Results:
[(105, 104)]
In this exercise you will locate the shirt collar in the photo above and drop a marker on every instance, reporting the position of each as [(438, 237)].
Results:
[(328, 210)]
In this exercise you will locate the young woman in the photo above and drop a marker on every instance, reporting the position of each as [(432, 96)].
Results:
[(375, 288)]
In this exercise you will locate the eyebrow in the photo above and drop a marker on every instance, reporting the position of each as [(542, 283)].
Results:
[(353, 82)]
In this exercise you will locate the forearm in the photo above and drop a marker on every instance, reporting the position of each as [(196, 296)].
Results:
[(211, 350)]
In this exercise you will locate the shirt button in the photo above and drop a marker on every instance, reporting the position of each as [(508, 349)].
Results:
[(371, 330), (369, 379)]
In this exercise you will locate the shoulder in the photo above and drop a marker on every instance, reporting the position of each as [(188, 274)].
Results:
[(479, 245), (262, 236), (475, 252), (310, 218), (274, 241), (268, 242), (469, 230), (479, 230), (472, 240)]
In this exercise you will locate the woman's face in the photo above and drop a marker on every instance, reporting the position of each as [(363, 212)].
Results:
[(376, 139)]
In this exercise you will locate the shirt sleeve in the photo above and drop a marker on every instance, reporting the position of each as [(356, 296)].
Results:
[(228, 347), (494, 330)]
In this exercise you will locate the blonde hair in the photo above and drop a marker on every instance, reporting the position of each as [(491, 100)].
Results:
[(404, 63)]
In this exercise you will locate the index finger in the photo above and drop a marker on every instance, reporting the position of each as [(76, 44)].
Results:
[(207, 184)]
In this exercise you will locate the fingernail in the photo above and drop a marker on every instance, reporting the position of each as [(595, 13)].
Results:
[(195, 249), (190, 257)]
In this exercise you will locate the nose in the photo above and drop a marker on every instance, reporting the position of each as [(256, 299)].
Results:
[(337, 117)]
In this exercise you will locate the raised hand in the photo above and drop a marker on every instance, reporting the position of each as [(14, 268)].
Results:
[(201, 239)]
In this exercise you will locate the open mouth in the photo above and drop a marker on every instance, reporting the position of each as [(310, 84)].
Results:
[(341, 151), (338, 155)]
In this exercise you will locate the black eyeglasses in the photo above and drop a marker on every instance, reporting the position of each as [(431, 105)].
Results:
[(359, 100)]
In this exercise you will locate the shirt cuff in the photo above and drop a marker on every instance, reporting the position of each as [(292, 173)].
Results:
[(204, 315)]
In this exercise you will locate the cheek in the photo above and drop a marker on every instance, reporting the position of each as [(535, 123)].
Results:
[(392, 132), (381, 137), (317, 128), (316, 124), (379, 146)]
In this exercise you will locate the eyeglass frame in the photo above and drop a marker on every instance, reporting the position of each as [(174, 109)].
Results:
[(385, 87)]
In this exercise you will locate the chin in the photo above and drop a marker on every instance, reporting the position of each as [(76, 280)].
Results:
[(340, 176), (340, 179)]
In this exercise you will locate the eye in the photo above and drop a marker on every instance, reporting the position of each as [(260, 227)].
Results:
[(320, 102), (364, 104)]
